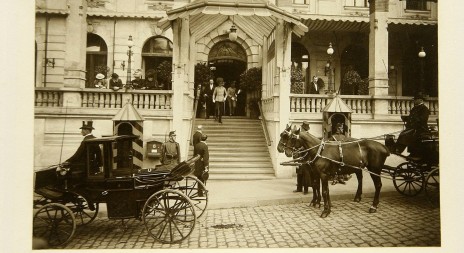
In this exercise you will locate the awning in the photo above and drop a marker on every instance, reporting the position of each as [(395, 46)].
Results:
[(336, 23), (128, 113), (242, 8), (125, 15), (52, 11)]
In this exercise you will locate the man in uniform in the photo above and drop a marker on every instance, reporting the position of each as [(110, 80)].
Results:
[(79, 159), (202, 164), (197, 135), (416, 125), (170, 150)]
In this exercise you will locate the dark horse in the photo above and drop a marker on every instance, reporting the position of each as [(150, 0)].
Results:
[(326, 157)]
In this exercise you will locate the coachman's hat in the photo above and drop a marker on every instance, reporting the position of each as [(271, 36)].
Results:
[(114, 75), (87, 125), (172, 133), (305, 125)]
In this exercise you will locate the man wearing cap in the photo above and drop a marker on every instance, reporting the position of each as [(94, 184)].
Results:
[(170, 150), (202, 164), (303, 177), (79, 159), (197, 135), (219, 96), (416, 125), (208, 98)]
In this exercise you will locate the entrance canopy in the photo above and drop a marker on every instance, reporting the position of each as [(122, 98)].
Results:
[(257, 18)]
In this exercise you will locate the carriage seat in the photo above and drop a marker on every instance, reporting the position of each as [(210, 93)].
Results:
[(49, 192)]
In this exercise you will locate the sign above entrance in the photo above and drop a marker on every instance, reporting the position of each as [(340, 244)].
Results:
[(227, 50)]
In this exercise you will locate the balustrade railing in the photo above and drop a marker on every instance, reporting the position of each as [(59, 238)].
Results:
[(403, 105), (96, 98)]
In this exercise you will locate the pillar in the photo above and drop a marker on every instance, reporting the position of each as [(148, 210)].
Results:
[(378, 55), (180, 60), (283, 41)]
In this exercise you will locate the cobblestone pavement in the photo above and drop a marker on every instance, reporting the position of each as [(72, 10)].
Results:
[(399, 222)]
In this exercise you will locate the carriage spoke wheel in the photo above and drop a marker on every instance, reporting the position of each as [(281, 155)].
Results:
[(55, 223), (196, 191), (432, 187), (408, 179), (81, 209), (169, 216)]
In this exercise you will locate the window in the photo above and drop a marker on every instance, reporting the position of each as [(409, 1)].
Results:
[(418, 5), (357, 3), (157, 57), (301, 1), (97, 53)]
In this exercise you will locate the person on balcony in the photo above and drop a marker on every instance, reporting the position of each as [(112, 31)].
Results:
[(208, 98), (115, 82), (170, 151), (314, 86), (100, 81), (79, 159), (219, 96), (416, 126), (138, 82), (151, 83)]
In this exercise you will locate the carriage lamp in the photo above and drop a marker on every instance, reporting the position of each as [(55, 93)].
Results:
[(233, 33), (329, 68)]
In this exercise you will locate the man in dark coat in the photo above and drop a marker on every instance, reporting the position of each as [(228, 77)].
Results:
[(208, 98), (202, 164), (416, 125), (303, 176), (79, 159), (197, 135), (314, 86)]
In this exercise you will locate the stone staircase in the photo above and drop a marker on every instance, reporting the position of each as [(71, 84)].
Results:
[(237, 149)]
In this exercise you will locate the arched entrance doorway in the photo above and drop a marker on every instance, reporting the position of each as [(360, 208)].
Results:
[(229, 60)]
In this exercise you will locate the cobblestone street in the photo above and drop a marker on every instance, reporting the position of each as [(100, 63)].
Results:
[(399, 222)]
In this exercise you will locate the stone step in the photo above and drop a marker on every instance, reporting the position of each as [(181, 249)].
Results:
[(228, 177), (221, 164), (241, 170)]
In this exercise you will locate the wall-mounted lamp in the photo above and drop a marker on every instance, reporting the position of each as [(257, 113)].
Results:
[(123, 65), (233, 31), (50, 62)]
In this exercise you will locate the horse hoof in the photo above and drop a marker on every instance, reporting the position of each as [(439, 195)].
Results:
[(324, 214), (372, 210), (357, 199)]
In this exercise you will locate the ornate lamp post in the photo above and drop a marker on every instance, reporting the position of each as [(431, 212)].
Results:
[(130, 44), (421, 55), (329, 68)]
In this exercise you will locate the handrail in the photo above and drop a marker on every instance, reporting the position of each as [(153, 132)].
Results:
[(264, 124), (194, 114)]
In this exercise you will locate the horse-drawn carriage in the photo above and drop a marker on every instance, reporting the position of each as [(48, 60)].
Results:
[(420, 171), (168, 202)]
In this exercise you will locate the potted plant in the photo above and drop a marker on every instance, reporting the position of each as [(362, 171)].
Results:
[(164, 74), (353, 84), (251, 83), (296, 81)]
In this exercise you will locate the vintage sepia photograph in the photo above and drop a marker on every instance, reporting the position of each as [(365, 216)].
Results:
[(240, 125)]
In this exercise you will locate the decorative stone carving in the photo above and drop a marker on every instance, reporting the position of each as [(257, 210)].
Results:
[(155, 30), (96, 3), (159, 5)]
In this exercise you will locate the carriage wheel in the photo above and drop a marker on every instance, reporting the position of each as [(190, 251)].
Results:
[(169, 216), (432, 187), (191, 186), (81, 209), (408, 179), (55, 223)]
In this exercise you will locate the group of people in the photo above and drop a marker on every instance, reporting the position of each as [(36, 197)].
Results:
[(215, 96), (115, 83)]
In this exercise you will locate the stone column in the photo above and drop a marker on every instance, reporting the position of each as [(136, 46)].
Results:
[(75, 45), (378, 55), (180, 60), (283, 41)]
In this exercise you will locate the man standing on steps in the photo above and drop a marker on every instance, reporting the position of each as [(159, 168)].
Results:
[(208, 98), (197, 135), (219, 96), (202, 164)]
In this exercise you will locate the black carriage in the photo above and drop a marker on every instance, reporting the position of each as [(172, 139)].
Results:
[(419, 172), (167, 200)]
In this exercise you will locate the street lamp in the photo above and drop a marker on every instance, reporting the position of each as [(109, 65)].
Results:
[(421, 55), (329, 68), (130, 44)]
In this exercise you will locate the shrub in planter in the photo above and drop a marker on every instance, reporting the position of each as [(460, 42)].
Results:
[(353, 84), (296, 81)]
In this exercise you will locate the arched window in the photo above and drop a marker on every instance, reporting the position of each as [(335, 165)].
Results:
[(97, 53), (157, 57)]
